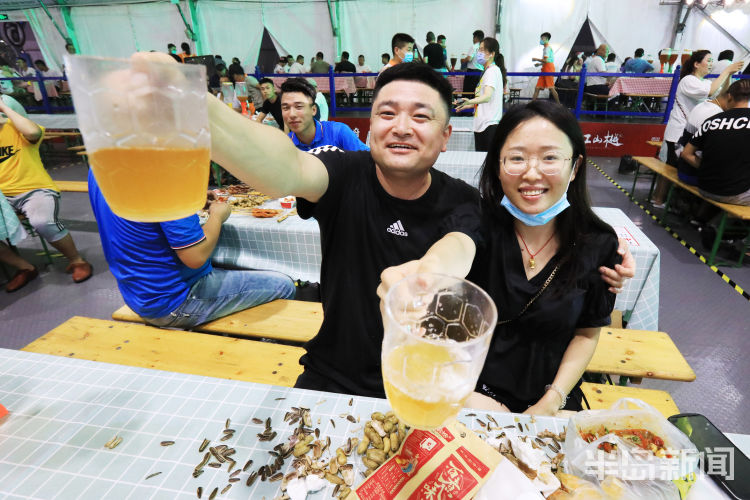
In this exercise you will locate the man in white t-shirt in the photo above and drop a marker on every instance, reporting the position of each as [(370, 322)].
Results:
[(298, 66), (362, 82), (471, 81), (725, 59), (596, 64)]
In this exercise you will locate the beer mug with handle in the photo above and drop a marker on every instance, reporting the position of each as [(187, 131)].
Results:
[(144, 123)]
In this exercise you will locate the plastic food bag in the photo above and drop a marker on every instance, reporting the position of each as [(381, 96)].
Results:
[(628, 471)]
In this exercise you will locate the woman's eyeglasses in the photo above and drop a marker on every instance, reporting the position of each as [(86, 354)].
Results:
[(548, 164)]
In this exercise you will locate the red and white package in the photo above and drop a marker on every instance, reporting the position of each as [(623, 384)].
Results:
[(447, 463)]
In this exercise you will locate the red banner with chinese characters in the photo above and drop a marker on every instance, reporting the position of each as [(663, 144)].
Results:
[(617, 139), (602, 139)]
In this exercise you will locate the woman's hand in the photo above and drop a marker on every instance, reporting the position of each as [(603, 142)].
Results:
[(478, 401), (548, 405), (617, 277), (464, 105)]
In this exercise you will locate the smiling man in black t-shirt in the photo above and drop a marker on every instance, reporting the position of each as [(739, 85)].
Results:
[(724, 164), (376, 209)]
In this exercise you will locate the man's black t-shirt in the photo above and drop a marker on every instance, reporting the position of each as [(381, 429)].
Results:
[(345, 66), (434, 54), (275, 109), (725, 164), (364, 230)]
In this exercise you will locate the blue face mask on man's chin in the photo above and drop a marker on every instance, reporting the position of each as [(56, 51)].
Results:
[(409, 57), (541, 218)]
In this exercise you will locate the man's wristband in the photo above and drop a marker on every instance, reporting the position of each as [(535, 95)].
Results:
[(563, 395)]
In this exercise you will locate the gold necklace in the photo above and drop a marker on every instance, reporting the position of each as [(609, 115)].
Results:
[(532, 262)]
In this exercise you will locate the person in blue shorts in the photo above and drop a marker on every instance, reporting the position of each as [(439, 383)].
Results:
[(164, 271)]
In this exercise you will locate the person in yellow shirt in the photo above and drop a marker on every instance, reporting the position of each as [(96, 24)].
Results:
[(30, 190)]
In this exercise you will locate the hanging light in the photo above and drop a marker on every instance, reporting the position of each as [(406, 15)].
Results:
[(689, 2)]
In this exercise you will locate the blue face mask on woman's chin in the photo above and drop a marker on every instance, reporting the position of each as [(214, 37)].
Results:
[(541, 218)]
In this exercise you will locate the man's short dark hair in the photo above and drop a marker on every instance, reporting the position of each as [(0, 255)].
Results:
[(345, 55), (726, 54), (611, 57), (417, 72), (430, 37), (265, 80), (170, 45), (546, 35), (740, 90), (385, 54), (638, 53), (440, 37), (300, 57), (478, 34), (400, 40), (299, 85), (185, 46), (319, 55), (39, 61), (361, 55)]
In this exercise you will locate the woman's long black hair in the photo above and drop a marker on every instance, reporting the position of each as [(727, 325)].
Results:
[(695, 58), (493, 46), (574, 223)]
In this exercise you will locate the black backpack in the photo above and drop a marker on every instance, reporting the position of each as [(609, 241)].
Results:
[(627, 165)]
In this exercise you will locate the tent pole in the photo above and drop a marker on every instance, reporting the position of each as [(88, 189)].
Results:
[(679, 26), (498, 14), (333, 15), (68, 25), (57, 27), (196, 31), (722, 30)]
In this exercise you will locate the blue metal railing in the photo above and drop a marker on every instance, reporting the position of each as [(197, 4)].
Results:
[(46, 104), (47, 107), (578, 111)]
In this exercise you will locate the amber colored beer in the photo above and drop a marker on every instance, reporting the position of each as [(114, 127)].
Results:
[(242, 98), (426, 384), (152, 184)]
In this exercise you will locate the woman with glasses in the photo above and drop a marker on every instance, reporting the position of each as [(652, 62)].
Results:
[(541, 261)]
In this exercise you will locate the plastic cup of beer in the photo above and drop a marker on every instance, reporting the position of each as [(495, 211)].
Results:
[(437, 330), (240, 90), (145, 128)]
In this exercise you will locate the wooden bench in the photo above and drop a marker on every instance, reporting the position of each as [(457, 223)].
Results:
[(73, 186), (639, 354), (283, 320), (145, 346), (603, 396), (628, 353), (670, 173)]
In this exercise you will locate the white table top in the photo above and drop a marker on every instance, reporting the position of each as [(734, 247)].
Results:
[(62, 411)]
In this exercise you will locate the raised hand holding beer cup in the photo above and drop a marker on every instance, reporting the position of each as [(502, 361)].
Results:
[(437, 331), (144, 123)]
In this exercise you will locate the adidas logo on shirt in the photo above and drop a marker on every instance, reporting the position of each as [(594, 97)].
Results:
[(397, 228)]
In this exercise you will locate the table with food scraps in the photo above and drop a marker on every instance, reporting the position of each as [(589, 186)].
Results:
[(65, 411), (293, 248)]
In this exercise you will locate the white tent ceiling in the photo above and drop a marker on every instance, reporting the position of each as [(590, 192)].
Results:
[(234, 28)]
